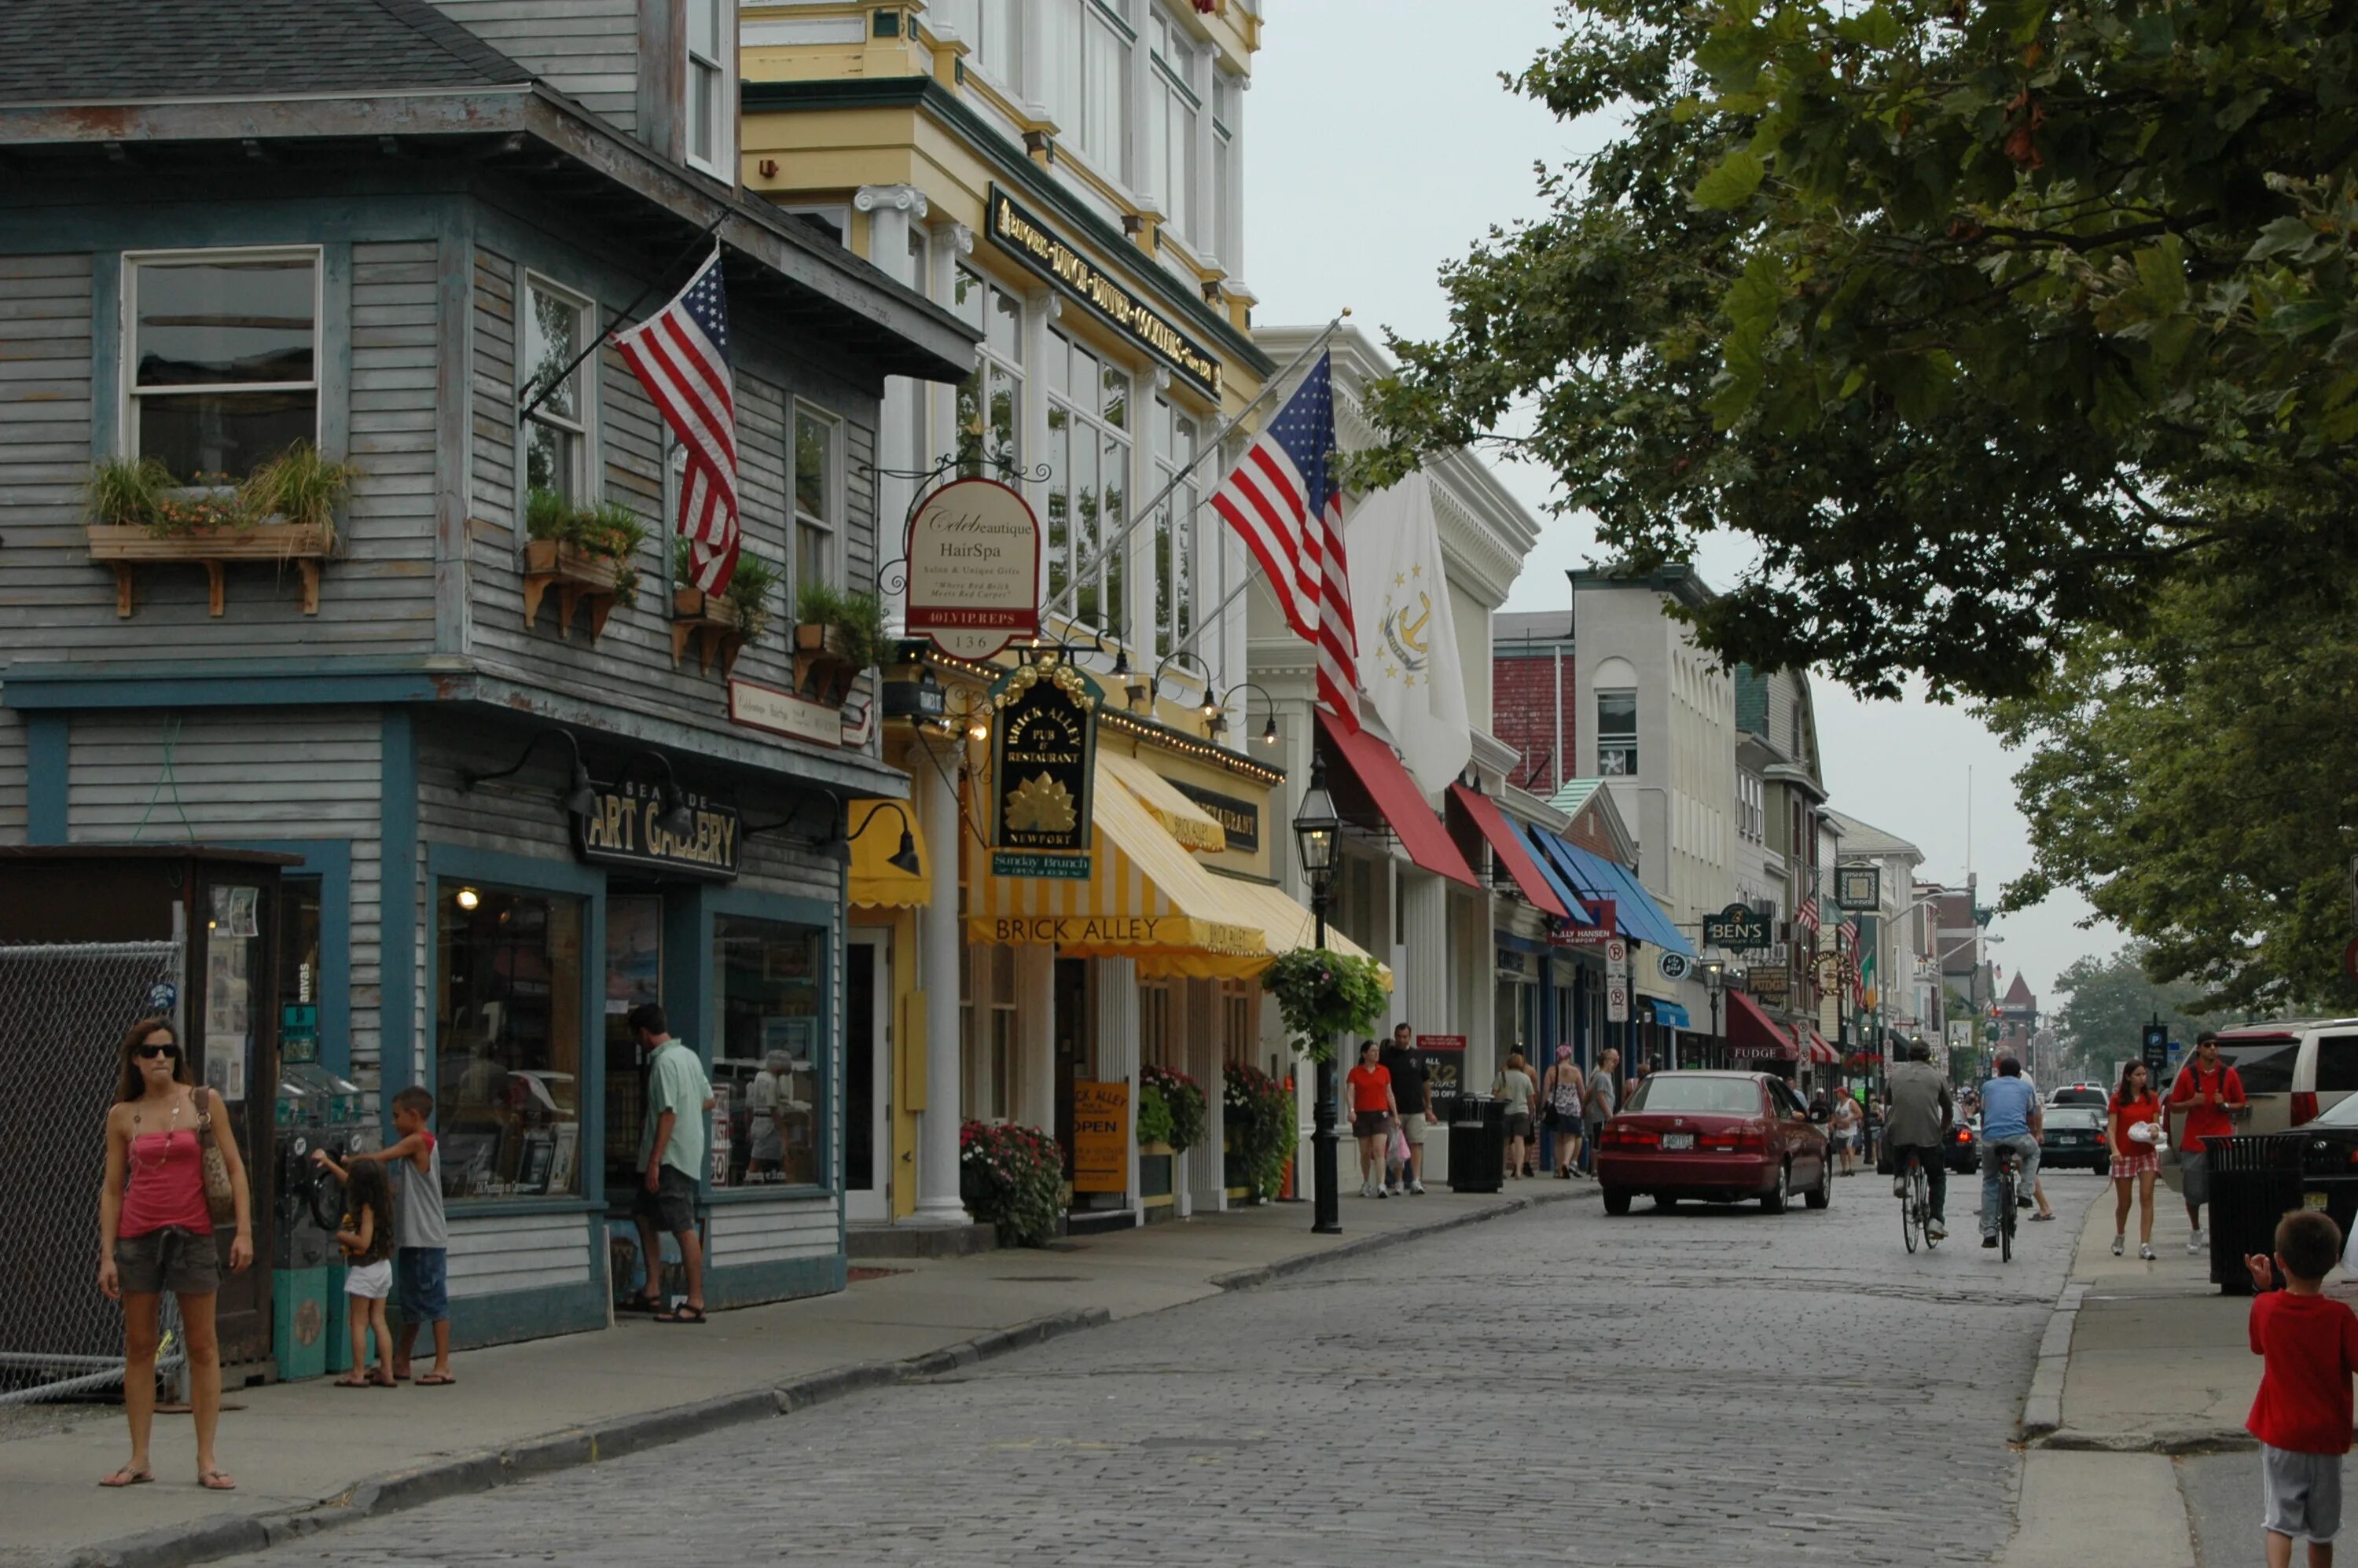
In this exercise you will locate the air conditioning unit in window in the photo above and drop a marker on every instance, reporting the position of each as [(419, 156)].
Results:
[(1779, 953)]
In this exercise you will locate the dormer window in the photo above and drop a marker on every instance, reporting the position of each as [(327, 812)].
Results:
[(711, 88)]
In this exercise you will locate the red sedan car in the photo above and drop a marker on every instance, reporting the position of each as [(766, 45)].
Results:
[(1720, 1137)]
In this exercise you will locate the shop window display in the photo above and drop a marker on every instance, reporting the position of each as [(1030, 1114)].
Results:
[(508, 1032), (769, 1061)]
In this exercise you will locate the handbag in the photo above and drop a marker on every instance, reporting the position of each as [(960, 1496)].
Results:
[(221, 1198)]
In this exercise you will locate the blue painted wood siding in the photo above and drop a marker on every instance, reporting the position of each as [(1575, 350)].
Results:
[(587, 49)]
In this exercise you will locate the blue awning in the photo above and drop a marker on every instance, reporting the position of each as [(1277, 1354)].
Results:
[(1639, 916), (1671, 1014), (1574, 899), (1665, 935)]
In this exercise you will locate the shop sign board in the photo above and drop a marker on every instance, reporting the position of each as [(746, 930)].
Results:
[(1602, 912), (973, 569), (759, 707), (1044, 760), (1770, 983), (1674, 966), (1858, 887), (1238, 818), (1440, 1043), (1037, 246), (1738, 926), (620, 829), (1100, 1138)]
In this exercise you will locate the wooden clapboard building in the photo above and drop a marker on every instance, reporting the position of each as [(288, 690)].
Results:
[(529, 782)]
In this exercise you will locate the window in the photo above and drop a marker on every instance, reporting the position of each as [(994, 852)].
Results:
[(1174, 572), (1616, 734), (555, 437), (770, 1058), (1225, 185), (986, 1059), (1085, 61), (2265, 1065), (1089, 480), (999, 1087), (816, 499), (1236, 1022), (1171, 110), (507, 1042), (989, 28), (224, 360), (2337, 1064), (1154, 1022), (991, 401), (711, 93), (1751, 808)]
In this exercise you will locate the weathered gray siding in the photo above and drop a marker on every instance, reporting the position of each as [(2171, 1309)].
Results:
[(241, 776), (45, 577), (586, 49), (388, 565), (12, 776)]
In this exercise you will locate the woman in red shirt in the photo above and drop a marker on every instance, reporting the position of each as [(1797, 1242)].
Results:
[(1372, 1109), (2135, 1161)]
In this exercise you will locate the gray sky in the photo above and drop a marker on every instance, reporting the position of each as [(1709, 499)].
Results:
[(1377, 146)]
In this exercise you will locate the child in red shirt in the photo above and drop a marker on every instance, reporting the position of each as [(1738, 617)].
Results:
[(2303, 1411)]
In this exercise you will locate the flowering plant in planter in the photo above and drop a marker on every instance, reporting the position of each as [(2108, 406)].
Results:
[(1183, 1106), (1012, 1177), (1265, 1123), (1321, 994)]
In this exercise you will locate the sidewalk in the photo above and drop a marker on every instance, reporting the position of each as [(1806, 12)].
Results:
[(309, 1456)]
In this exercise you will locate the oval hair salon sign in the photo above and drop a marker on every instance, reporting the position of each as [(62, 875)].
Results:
[(973, 569)]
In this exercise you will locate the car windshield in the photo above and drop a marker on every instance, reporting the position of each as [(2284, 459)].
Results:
[(2079, 1097), (1674, 1091), (2074, 1116)]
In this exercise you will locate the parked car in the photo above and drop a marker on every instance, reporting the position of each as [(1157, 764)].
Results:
[(2094, 1095), (1720, 1137), (2290, 1071), (2074, 1137)]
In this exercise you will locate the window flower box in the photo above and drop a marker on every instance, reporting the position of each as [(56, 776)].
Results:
[(707, 623), (126, 548), (579, 577)]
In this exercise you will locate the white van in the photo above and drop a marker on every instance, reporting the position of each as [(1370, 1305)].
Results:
[(2290, 1071)]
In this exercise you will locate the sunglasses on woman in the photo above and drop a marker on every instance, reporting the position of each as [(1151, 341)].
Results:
[(145, 1052)]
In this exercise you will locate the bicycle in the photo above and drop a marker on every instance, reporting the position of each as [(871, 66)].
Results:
[(2010, 1167), (1916, 1206)]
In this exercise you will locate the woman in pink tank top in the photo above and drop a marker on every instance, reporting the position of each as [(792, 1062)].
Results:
[(155, 1234)]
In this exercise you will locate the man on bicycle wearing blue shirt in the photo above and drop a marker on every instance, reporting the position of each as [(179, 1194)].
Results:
[(1918, 1124), (2010, 1120)]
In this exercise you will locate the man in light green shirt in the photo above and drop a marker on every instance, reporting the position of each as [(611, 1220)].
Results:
[(671, 1162)]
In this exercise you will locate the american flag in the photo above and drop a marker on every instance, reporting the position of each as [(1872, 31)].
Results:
[(681, 355), (1283, 501), (1806, 917), (1849, 937)]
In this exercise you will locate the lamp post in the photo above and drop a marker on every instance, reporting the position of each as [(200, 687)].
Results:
[(1713, 973), (1314, 827)]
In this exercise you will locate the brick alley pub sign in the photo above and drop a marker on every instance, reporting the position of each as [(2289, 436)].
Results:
[(1034, 245), (1043, 756), (620, 830), (1239, 819)]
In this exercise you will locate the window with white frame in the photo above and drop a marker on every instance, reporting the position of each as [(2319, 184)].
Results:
[(1173, 444), (990, 400), (711, 86), (1084, 59), (990, 31), (1154, 1022), (818, 501), (1226, 190), (556, 435), (1237, 1039), (1616, 733), (224, 351), (1171, 110), (1751, 808), (1089, 483)]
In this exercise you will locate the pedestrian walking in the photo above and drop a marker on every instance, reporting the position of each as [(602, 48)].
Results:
[(1598, 1097), (421, 1254), (671, 1156), (2133, 1133), (366, 1236), (158, 1207), (1844, 1124), (1372, 1108), (1515, 1087), (1561, 1091), (2209, 1092), (2010, 1120), (2301, 1414), (1412, 1093)]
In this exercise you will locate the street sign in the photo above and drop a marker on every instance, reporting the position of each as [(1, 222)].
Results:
[(1617, 957), (1674, 966), (1617, 999), (2155, 1052), (1739, 926)]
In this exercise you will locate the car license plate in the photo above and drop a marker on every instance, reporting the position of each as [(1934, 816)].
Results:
[(2308, 1200), (1678, 1139)]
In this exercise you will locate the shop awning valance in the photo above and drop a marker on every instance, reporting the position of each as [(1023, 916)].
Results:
[(1752, 1032), (1289, 924), (1821, 1052), (1671, 1014), (1145, 898), (1536, 841), (1399, 802), (1635, 910), (876, 884), (1509, 847), (1185, 821)]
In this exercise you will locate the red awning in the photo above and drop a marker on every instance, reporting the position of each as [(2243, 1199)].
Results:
[(1509, 846), (1822, 1053), (1399, 802), (1751, 1031)]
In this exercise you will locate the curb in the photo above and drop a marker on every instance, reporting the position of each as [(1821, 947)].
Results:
[(1248, 1278), (228, 1535), (2188, 1441), (2042, 1407)]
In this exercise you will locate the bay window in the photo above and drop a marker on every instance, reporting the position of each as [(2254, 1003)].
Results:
[(224, 359), (555, 437), (711, 86), (1088, 480), (990, 400), (817, 502), (1175, 587)]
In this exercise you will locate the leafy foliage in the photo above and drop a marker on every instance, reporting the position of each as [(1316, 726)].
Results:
[(1264, 1126), (1183, 1101), (857, 618), (1012, 1177), (299, 486), (1982, 322), (1153, 1117), (1321, 994), (2107, 1003), (751, 586)]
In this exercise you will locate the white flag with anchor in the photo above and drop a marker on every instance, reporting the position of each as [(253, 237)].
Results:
[(1408, 641)]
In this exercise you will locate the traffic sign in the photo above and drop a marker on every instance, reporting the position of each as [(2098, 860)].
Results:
[(1617, 999), (2155, 1052)]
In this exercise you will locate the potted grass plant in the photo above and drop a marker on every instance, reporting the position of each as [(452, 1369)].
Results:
[(284, 513), (584, 553), (837, 636)]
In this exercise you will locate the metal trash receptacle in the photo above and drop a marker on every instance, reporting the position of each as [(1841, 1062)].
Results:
[(2254, 1179), (1477, 1144)]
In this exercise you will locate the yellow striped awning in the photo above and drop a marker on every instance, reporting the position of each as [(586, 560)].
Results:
[(1145, 898), (876, 884), (1288, 925), (1181, 817)]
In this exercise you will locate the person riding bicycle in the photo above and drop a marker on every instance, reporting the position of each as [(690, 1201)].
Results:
[(2010, 1120), (1923, 1110)]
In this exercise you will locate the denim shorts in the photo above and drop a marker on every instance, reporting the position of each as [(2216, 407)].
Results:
[(181, 1262), (421, 1277)]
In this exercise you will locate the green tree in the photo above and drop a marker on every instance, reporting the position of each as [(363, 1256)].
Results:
[(2108, 1001), (1984, 322)]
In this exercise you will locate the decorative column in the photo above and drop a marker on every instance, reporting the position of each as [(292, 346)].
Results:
[(1116, 1055), (891, 209), (937, 971), (1425, 912)]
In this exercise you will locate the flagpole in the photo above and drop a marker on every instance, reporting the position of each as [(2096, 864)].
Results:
[(621, 316), (1139, 514)]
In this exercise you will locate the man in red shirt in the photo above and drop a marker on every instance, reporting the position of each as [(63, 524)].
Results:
[(2301, 1415), (2207, 1091)]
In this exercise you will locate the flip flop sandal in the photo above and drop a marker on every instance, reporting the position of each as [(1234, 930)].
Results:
[(127, 1476), (684, 1315), (437, 1380), (215, 1481), (640, 1303)]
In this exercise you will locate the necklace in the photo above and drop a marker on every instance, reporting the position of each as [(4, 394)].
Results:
[(170, 1125)]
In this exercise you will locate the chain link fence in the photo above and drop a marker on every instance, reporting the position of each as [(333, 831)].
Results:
[(64, 1008)]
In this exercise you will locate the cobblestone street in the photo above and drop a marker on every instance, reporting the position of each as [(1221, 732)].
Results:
[(1671, 1388)]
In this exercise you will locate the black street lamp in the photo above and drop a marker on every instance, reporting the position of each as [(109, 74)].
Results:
[(1715, 972), (1314, 827)]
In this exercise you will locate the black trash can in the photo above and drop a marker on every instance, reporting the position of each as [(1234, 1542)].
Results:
[(1477, 1144), (2254, 1179)]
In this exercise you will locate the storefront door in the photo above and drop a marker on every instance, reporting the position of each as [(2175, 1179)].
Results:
[(1072, 1045), (237, 1040), (867, 1045)]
